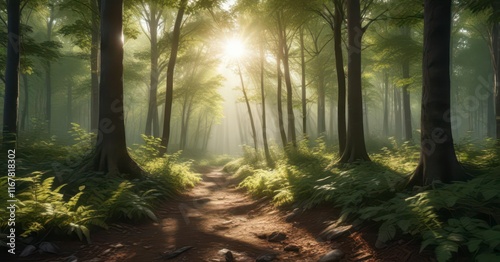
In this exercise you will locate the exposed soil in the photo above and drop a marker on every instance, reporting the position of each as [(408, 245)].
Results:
[(215, 215)]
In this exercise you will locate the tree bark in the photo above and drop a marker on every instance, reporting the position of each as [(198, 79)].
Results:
[(321, 102), (292, 138), (170, 75), (263, 101), (386, 105), (279, 93), (25, 114), (111, 154), (408, 132), (397, 114), (249, 109), (303, 83), (152, 127), (94, 66), (48, 72), (339, 65), (355, 149), (437, 158), (10, 109)]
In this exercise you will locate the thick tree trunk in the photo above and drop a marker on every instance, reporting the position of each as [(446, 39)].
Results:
[(267, 154), (10, 105), (355, 149), (303, 83), (94, 66), (111, 149), (339, 65), (170, 75), (281, 125), (437, 158), (249, 109), (292, 138)]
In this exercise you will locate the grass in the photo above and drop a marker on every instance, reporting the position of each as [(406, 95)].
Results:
[(462, 216)]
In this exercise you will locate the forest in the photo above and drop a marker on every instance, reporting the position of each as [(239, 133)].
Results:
[(250, 130)]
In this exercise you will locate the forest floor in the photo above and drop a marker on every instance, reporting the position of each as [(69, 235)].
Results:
[(216, 216)]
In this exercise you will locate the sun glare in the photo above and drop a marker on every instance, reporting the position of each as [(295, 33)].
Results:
[(234, 48)]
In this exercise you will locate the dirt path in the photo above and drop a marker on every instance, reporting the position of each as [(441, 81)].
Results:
[(213, 216)]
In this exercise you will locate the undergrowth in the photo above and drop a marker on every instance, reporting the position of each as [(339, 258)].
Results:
[(54, 197), (450, 218)]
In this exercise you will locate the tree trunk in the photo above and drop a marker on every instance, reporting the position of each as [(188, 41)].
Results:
[(386, 105), (397, 113), (303, 83), (111, 149), (339, 65), (355, 149), (170, 75), (496, 66), (252, 124), (25, 114), (263, 101), (289, 90), (69, 106), (11, 96), (279, 95), (321, 103), (94, 66), (437, 158), (152, 127), (406, 94), (48, 73)]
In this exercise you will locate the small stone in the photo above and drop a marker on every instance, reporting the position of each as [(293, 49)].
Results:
[(292, 248), (276, 237), (333, 232), (266, 258), (117, 245), (261, 235), (292, 215), (229, 256), (71, 258), (332, 256)]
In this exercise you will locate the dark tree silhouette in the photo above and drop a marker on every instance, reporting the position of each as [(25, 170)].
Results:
[(170, 74), (438, 160), (111, 154), (12, 75), (355, 148)]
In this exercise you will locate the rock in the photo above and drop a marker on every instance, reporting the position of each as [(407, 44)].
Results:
[(276, 237), (332, 256), (48, 247), (229, 256), (292, 215), (266, 258), (379, 244), (261, 235), (292, 248), (28, 250), (176, 252), (332, 232)]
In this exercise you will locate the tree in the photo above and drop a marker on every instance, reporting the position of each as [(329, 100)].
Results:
[(263, 101), (111, 155), (355, 148), (12, 75), (170, 74), (438, 160)]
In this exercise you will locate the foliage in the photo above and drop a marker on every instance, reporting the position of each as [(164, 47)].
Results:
[(458, 216), (61, 199)]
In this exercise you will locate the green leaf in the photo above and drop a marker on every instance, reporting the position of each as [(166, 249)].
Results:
[(489, 194), (473, 245), (488, 257), (404, 225), (386, 232), (445, 249)]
